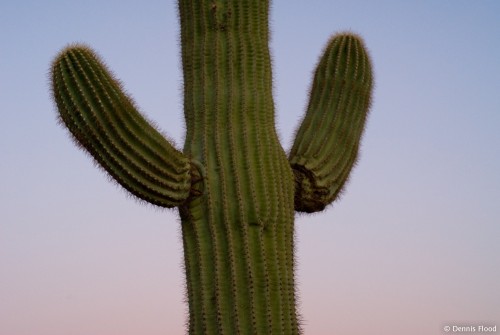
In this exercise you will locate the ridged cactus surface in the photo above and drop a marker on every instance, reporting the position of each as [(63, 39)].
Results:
[(235, 187)]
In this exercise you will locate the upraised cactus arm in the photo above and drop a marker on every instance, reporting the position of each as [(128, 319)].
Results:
[(327, 142), (105, 122)]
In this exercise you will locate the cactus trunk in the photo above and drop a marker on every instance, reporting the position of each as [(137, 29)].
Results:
[(238, 236)]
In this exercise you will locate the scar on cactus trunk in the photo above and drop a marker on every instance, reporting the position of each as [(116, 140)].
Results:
[(235, 187)]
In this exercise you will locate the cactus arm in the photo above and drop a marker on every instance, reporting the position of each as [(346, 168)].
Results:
[(327, 143), (104, 121)]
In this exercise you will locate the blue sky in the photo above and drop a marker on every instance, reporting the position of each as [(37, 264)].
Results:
[(412, 246)]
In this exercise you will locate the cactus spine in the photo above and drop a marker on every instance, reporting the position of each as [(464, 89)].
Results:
[(235, 188)]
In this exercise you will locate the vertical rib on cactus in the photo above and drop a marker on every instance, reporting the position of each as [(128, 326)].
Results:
[(233, 184), (327, 143)]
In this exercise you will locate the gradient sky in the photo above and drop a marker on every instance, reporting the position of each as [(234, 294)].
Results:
[(412, 246)]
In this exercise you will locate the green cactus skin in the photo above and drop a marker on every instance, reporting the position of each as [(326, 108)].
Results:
[(235, 188)]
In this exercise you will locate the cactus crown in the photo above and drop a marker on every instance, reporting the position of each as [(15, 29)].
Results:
[(235, 187)]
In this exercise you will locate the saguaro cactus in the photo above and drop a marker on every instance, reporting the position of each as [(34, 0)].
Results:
[(235, 187)]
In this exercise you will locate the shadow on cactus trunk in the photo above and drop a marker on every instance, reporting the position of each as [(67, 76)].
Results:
[(236, 189)]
